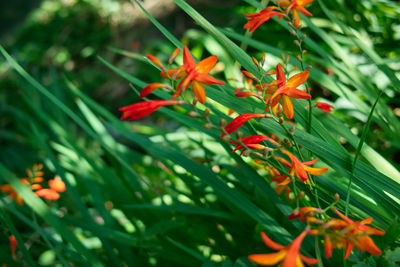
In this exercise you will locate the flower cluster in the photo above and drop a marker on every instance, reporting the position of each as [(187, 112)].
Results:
[(189, 74), (35, 177), (282, 9)]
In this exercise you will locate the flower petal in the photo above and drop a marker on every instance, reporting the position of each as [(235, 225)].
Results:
[(298, 79), (199, 92), (47, 194), (207, 79), (269, 243), (188, 59), (268, 259), (141, 109), (287, 107), (206, 65), (239, 121), (150, 88), (57, 184)]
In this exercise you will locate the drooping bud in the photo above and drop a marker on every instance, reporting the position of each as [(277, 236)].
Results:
[(297, 43), (292, 32), (156, 61), (304, 36), (256, 62), (298, 57), (239, 134), (262, 60)]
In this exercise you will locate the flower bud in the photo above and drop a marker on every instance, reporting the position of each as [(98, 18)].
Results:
[(193, 114), (337, 198), (222, 123), (226, 138), (292, 32), (206, 113), (208, 125), (173, 55), (281, 120), (304, 51), (239, 134), (304, 36), (309, 67), (262, 60), (301, 195), (292, 129), (297, 43), (194, 103), (299, 58)]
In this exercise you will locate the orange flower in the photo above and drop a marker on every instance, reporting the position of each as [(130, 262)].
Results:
[(193, 74), (289, 256), (325, 107), (142, 109), (281, 180), (7, 188), (255, 20), (354, 234), (13, 245), (251, 142), (239, 121), (47, 194), (174, 55), (301, 169), (296, 6), (286, 90), (57, 184)]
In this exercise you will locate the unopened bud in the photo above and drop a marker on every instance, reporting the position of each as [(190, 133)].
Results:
[(290, 24), (208, 125), (309, 67), (287, 142), (206, 113), (226, 138), (281, 120), (246, 153), (283, 57), (263, 60), (304, 36), (337, 198), (304, 51), (287, 59), (255, 62), (300, 27), (239, 134), (301, 195), (194, 103), (222, 123), (299, 58), (265, 152), (292, 32), (193, 114), (297, 43), (292, 129), (173, 55)]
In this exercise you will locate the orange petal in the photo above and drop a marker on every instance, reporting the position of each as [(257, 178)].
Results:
[(304, 11), (298, 79), (269, 243), (245, 94), (207, 79), (188, 59), (365, 243), (199, 92), (206, 65), (287, 107), (57, 184), (309, 261), (303, 2), (268, 259), (280, 75), (296, 18), (349, 248), (293, 251), (48, 194), (328, 246), (150, 88), (315, 171)]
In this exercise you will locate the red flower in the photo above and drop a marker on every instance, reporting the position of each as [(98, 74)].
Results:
[(13, 245), (193, 74), (286, 90), (251, 142), (290, 256), (306, 214), (142, 109), (239, 121), (296, 6), (255, 20), (325, 107)]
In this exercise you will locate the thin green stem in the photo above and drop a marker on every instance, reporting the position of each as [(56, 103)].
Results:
[(358, 151)]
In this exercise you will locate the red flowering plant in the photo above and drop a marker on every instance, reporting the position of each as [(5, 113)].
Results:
[(268, 136)]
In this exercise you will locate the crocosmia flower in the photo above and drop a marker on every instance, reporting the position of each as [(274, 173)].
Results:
[(288, 256), (296, 6), (193, 74), (255, 20), (251, 142), (142, 109), (239, 121), (13, 245), (288, 89), (300, 169)]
